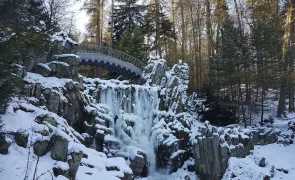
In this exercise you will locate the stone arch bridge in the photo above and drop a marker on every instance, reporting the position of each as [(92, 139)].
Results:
[(112, 59)]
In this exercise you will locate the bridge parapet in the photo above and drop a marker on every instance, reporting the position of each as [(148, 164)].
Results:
[(90, 48)]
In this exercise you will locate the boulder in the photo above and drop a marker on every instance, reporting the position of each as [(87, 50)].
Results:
[(60, 69), (21, 137), (262, 162), (41, 129), (137, 165), (41, 119), (74, 161), (41, 147), (4, 145), (111, 144), (127, 176), (291, 125), (270, 137), (18, 70), (61, 168), (187, 177), (88, 140), (70, 59), (42, 69), (65, 66), (53, 101), (59, 148)]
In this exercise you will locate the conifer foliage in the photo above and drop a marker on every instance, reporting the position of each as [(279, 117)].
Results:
[(128, 14)]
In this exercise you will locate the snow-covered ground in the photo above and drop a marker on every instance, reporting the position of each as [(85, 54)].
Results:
[(278, 157), (20, 161)]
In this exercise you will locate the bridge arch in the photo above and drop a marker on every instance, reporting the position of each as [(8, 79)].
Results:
[(109, 58)]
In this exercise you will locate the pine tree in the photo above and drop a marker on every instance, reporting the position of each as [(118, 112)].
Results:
[(158, 34), (132, 43), (127, 15), (23, 30)]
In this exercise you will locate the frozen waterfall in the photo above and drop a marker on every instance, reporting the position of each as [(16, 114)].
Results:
[(135, 106)]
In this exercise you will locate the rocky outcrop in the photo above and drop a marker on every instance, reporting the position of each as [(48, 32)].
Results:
[(65, 66), (66, 102), (264, 135), (173, 83), (212, 147)]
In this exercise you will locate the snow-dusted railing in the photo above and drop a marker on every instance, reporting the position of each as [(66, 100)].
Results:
[(91, 48)]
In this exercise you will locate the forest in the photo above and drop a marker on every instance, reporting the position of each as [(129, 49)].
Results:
[(238, 51)]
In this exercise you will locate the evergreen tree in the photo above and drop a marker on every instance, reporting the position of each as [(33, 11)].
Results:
[(23, 30), (132, 43), (164, 29), (127, 15)]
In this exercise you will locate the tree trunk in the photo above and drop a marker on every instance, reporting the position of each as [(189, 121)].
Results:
[(98, 23), (102, 21), (183, 34), (209, 33), (158, 37), (291, 65), (174, 31), (286, 45)]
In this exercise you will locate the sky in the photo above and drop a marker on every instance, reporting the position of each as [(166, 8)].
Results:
[(81, 16)]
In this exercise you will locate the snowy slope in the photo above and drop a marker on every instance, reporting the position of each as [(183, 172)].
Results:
[(279, 158)]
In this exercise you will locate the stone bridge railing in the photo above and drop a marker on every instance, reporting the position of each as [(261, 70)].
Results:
[(91, 48)]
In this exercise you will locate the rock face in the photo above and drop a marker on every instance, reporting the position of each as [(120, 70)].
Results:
[(59, 148), (66, 102), (213, 147), (21, 138), (173, 149), (65, 66), (4, 145)]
